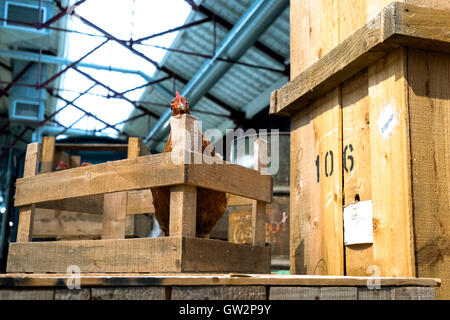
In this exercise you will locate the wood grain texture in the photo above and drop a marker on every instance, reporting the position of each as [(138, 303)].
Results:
[(136, 148), (26, 218), (129, 293), (316, 200), (141, 173), (376, 294), (199, 279), (114, 214), (161, 255), (393, 247), (67, 294), (47, 154), (218, 293), (414, 293), (294, 293), (356, 155), (30, 294), (183, 209), (429, 112)]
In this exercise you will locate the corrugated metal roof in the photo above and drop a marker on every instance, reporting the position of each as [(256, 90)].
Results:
[(238, 87)]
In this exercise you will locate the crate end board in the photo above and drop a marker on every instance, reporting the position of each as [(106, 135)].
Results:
[(399, 24), (150, 255)]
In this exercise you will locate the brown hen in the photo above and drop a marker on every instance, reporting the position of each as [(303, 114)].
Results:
[(211, 205)]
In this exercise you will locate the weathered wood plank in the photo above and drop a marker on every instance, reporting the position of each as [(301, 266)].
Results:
[(390, 166), (198, 279), (114, 214), (338, 293), (26, 216), (124, 255), (165, 254), (129, 293), (429, 110), (294, 293), (75, 294), (356, 155), (29, 294), (68, 225), (141, 173), (91, 147), (219, 293), (47, 154), (414, 293), (183, 208), (376, 294)]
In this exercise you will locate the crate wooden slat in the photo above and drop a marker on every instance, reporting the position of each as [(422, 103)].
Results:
[(140, 173), (165, 254)]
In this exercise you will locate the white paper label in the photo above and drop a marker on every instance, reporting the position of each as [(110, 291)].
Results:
[(387, 121), (358, 226)]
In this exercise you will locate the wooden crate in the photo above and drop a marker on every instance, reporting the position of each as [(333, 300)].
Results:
[(111, 183), (370, 122), (62, 221)]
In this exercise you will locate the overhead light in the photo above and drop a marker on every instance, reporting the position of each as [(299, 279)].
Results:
[(2, 210)]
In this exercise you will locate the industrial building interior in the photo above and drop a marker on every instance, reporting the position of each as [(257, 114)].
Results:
[(98, 71)]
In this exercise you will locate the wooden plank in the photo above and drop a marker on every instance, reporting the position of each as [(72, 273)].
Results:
[(294, 293), (67, 294), (429, 109), (47, 154), (316, 197), (30, 294), (114, 214), (140, 202), (183, 209), (87, 204), (261, 165), (376, 294), (136, 148), (231, 178), (390, 166), (75, 161), (338, 293), (207, 255), (129, 293), (357, 174), (398, 24), (141, 173), (219, 293), (198, 279), (414, 293), (25, 228), (122, 175), (162, 255), (234, 200), (68, 225), (124, 255), (313, 32)]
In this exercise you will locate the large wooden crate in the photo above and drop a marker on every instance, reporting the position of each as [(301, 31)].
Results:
[(370, 112), (110, 184)]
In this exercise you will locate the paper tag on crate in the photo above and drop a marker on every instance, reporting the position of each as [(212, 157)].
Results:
[(387, 121), (358, 225)]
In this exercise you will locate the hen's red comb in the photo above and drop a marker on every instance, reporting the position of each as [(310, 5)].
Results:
[(178, 97)]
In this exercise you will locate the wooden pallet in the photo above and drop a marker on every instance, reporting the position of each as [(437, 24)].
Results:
[(370, 122), (212, 287), (181, 251)]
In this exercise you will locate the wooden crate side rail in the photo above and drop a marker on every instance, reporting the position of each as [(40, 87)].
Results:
[(398, 24), (141, 173)]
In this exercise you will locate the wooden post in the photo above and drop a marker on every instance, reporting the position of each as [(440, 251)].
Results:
[(47, 154), (115, 204), (186, 138), (259, 207), (25, 228)]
